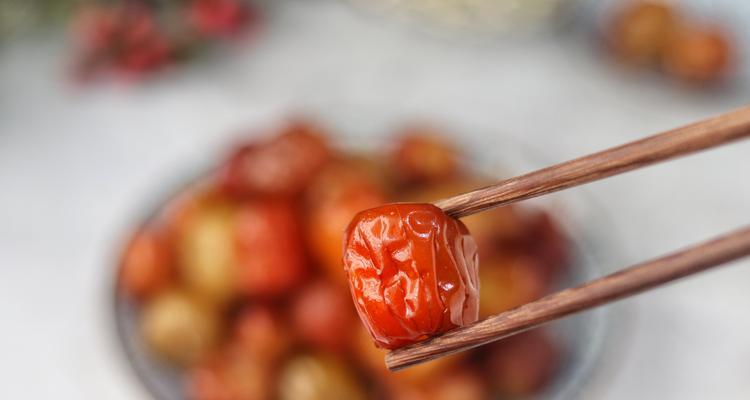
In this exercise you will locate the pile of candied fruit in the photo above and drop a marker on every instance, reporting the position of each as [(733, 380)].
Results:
[(238, 280)]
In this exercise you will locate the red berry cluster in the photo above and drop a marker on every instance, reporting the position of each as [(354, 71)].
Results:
[(218, 18), (135, 38)]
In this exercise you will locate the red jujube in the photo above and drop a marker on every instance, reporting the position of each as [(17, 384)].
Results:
[(413, 272)]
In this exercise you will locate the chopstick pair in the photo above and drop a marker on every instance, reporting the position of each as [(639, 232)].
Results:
[(678, 142)]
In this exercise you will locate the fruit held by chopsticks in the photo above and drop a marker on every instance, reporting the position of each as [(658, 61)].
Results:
[(413, 272)]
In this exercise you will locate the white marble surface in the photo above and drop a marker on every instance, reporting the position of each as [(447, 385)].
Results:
[(77, 166)]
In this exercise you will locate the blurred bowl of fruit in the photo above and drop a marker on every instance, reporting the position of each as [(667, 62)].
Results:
[(233, 287)]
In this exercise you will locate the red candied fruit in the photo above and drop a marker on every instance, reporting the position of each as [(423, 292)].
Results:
[(641, 30), (413, 272), (283, 166), (322, 315), (699, 54), (268, 243), (335, 196), (230, 374), (259, 333), (523, 364), (423, 156), (146, 265)]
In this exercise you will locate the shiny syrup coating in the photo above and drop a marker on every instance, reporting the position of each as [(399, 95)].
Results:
[(413, 272)]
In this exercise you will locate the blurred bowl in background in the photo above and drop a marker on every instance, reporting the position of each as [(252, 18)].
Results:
[(522, 366)]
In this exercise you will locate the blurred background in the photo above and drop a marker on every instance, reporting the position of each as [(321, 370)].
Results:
[(149, 170)]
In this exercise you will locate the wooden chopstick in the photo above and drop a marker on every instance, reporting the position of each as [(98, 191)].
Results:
[(612, 287), (677, 142)]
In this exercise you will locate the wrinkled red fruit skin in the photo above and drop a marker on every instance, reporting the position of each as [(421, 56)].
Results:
[(412, 271)]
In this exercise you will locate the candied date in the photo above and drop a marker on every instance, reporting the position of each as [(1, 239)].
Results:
[(147, 264), (421, 156), (323, 315), (412, 272), (318, 377), (284, 165), (230, 374), (178, 327), (337, 194), (524, 364), (270, 255), (641, 30), (699, 54)]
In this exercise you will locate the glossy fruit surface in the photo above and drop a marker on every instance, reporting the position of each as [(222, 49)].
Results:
[(413, 272)]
